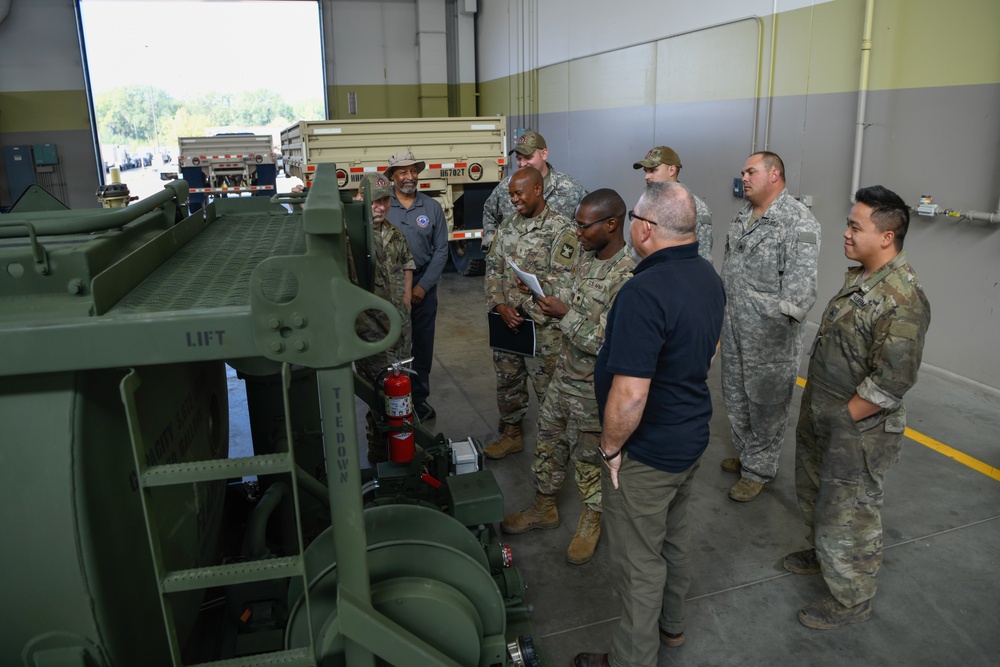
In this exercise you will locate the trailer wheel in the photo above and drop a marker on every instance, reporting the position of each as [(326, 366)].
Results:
[(468, 258)]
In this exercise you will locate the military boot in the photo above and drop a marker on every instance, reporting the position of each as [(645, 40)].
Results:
[(588, 532), (829, 613), (509, 442), (541, 514)]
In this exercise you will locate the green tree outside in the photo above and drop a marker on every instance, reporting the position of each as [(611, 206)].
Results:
[(134, 116)]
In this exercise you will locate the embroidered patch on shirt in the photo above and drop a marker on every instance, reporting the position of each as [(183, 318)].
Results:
[(423, 221)]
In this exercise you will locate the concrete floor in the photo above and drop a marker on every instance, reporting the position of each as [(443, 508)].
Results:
[(938, 602)]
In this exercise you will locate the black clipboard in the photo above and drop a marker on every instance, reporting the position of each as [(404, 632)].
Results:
[(504, 338)]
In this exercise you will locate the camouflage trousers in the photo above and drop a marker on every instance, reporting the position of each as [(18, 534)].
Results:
[(513, 372), (568, 429), (757, 389), (840, 467)]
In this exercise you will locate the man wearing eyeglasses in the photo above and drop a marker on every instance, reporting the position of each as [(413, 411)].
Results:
[(651, 382), (561, 192), (541, 241), (568, 427), (663, 165), (769, 270)]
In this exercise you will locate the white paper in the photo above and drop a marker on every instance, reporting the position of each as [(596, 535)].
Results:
[(529, 279)]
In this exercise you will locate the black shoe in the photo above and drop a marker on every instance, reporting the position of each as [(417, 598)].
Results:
[(424, 411)]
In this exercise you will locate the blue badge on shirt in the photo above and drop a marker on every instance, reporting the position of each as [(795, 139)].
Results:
[(423, 221)]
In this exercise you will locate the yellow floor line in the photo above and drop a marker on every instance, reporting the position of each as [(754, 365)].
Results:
[(942, 448)]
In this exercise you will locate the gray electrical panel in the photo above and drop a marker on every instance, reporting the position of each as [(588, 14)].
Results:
[(45, 154), (20, 169)]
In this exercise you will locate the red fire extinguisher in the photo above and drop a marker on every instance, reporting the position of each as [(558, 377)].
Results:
[(399, 414)]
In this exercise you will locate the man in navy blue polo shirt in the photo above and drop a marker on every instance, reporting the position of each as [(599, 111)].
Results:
[(422, 222), (652, 391)]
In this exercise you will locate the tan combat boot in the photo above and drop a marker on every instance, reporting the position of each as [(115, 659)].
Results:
[(541, 514), (588, 532), (509, 442)]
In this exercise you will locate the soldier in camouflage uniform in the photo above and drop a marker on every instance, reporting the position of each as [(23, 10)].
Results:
[(769, 272), (568, 424), (561, 192), (663, 165), (865, 357), (393, 282), (540, 241)]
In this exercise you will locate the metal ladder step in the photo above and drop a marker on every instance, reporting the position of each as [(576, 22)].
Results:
[(216, 469), (297, 657), (232, 573)]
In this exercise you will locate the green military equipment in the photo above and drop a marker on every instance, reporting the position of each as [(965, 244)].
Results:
[(133, 538)]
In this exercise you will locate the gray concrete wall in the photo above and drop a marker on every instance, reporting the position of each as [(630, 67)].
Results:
[(615, 81), (934, 151), (43, 98)]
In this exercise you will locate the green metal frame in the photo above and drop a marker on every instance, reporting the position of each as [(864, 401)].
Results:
[(308, 323)]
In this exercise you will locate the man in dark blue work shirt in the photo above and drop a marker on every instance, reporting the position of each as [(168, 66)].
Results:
[(652, 391), (422, 222)]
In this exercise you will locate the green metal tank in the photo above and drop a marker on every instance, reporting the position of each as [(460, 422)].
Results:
[(77, 564)]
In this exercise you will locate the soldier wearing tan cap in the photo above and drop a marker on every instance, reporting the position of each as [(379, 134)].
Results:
[(662, 165), (560, 195), (561, 192), (392, 280)]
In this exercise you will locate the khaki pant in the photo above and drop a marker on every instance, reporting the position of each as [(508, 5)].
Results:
[(647, 526)]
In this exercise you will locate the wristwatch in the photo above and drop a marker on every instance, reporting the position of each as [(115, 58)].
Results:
[(609, 457)]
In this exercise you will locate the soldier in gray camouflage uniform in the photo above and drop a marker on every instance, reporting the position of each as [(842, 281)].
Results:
[(393, 282), (568, 423), (540, 241), (865, 357), (769, 272), (561, 192), (663, 165)]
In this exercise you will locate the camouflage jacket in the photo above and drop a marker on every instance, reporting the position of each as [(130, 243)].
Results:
[(545, 245), (589, 292), (769, 267), (563, 193), (871, 339), (392, 257), (703, 227)]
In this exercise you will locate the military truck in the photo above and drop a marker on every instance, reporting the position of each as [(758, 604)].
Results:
[(465, 160), (226, 164)]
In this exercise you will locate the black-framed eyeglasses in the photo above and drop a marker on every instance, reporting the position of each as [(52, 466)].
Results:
[(633, 217), (582, 228)]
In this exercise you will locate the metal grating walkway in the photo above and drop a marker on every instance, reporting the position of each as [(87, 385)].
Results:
[(213, 270)]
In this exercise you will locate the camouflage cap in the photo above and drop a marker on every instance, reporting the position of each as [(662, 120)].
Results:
[(528, 143), (378, 185), (657, 156), (403, 158)]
